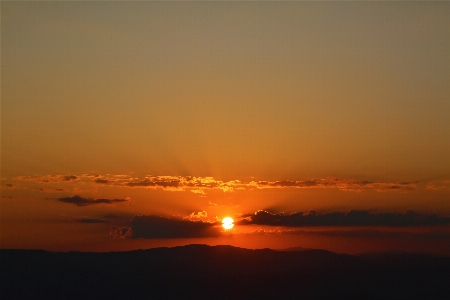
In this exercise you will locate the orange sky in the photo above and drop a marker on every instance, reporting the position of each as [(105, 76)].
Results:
[(194, 111)]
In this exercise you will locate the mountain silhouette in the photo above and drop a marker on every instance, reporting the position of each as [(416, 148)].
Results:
[(221, 272)]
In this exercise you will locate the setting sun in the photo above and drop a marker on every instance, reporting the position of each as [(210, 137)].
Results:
[(227, 223)]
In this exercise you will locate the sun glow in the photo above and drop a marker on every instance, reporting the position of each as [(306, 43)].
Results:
[(227, 223)]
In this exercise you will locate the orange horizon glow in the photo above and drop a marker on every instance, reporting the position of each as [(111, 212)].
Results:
[(145, 123)]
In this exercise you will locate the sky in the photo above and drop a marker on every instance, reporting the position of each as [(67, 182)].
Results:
[(128, 125)]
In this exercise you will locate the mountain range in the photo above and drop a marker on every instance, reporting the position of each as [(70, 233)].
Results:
[(222, 272)]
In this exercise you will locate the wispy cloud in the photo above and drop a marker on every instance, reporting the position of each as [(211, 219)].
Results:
[(344, 184), (433, 233), (49, 178), (81, 201), (11, 186), (202, 185), (439, 185), (54, 190)]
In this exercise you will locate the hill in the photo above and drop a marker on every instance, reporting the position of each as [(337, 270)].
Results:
[(221, 272)]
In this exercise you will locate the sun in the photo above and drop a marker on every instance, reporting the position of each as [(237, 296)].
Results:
[(227, 223)]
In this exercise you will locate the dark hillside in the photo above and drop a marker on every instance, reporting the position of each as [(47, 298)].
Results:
[(221, 272)]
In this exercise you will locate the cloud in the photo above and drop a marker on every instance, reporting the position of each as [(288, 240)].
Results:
[(153, 226), (55, 190), (49, 178), (196, 185), (80, 201), (345, 184), (69, 177), (352, 218), (10, 186), (101, 181), (90, 221), (154, 182), (439, 185), (198, 191), (202, 185), (352, 232), (198, 215), (380, 233), (120, 232)]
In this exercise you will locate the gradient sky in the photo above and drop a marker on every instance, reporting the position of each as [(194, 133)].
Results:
[(201, 110)]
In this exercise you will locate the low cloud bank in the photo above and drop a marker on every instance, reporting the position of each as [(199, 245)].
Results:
[(153, 226), (352, 218)]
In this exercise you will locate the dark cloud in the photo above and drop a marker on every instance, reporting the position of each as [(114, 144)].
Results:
[(120, 232), (80, 201), (352, 218), (69, 177), (101, 181), (10, 186), (52, 190), (152, 226), (90, 221)]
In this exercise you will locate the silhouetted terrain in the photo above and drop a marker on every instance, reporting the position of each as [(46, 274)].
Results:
[(221, 272)]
